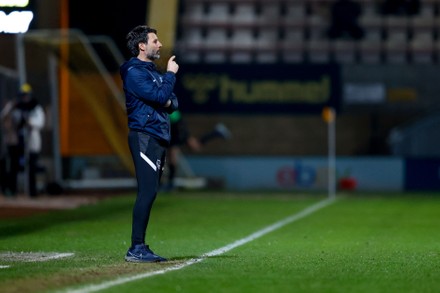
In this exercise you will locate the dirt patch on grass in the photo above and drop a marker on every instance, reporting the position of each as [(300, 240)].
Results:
[(84, 276)]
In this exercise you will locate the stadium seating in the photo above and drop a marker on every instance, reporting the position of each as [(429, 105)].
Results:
[(296, 31)]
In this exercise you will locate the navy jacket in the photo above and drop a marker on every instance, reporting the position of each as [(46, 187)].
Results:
[(146, 92)]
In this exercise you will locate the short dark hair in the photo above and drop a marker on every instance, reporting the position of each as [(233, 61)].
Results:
[(138, 35)]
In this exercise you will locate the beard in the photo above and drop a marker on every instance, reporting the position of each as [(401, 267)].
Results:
[(153, 55)]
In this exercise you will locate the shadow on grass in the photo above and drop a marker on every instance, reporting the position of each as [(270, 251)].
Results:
[(99, 211)]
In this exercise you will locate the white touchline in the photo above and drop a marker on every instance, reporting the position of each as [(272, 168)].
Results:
[(59, 255), (31, 257), (253, 236)]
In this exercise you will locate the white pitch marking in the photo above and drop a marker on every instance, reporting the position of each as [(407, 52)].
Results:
[(57, 256), (219, 251), (33, 256)]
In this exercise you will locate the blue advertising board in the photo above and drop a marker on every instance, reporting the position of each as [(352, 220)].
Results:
[(422, 174), (258, 88), (300, 173)]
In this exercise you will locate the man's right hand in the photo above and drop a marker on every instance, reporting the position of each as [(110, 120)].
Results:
[(172, 65)]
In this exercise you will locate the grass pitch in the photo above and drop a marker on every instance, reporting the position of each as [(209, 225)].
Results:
[(359, 243)]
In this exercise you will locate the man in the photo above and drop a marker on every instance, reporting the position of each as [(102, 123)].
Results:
[(23, 119), (149, 100), (181, 136)]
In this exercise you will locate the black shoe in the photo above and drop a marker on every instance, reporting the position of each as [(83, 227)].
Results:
[(142, 253)]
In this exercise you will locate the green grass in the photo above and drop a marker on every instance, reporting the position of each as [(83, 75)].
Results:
[(360, 243)]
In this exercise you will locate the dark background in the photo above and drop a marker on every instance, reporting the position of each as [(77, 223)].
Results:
[(112, 19)]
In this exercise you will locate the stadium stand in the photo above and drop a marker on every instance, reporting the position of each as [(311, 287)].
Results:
[(294, 31)]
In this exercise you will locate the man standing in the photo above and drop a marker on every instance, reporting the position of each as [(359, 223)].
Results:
[(24, 119), (149, 100)]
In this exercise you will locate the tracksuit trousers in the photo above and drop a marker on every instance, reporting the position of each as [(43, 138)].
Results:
[(148, 155)]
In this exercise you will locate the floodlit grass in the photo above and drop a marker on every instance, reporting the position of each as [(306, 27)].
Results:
[(360, 243)]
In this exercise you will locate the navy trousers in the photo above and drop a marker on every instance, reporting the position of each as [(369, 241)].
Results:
[(148, 155)]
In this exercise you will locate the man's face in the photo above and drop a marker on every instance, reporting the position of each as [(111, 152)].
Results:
[(152, 47)]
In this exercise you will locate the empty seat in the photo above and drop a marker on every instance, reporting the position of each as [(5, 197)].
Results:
[(294, 25), (267, 37), (373, 26), (396, 27), (216, 37), (244, 14), (344, 51), (216, 45), (243, 38), (192, 37), (295, 10), (317, 26), (421, 49), (293, 21), (270, 12), (267, 45), (427, 8), (318, 51), (191, 44), (369, 8), (293, 52), (218, 13), (370, 51), (242, 45), (193, 12), (294, 32), (396, 50), (422, 27)]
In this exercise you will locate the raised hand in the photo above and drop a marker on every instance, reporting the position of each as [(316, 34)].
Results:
[(172, 65)]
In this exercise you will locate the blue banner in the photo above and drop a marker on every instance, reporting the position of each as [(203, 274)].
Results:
[(258, 88), (422, 174)]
